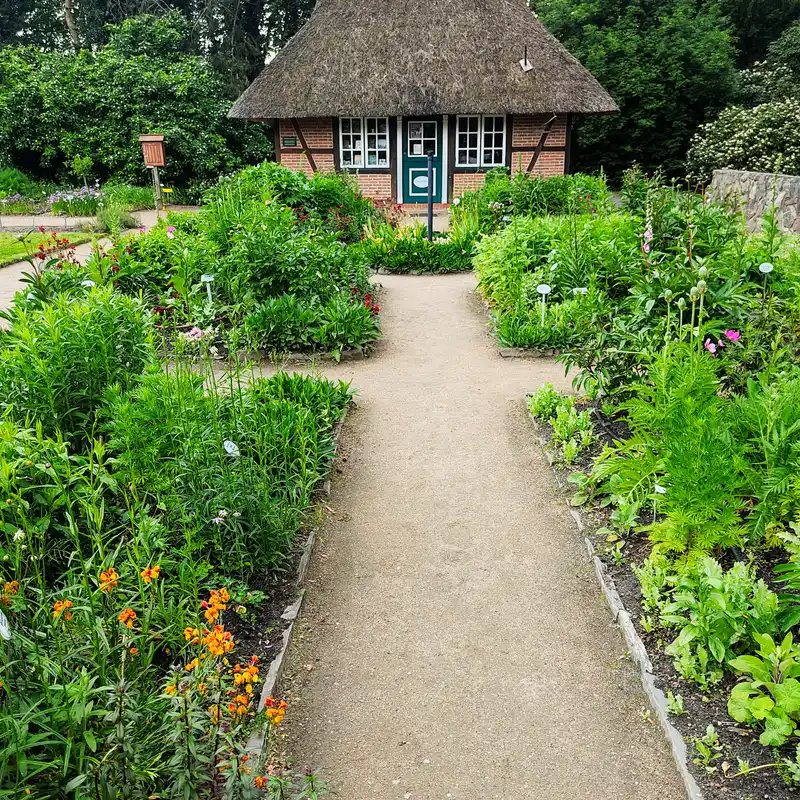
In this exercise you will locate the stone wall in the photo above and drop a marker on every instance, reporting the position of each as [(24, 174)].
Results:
[(753, 192)]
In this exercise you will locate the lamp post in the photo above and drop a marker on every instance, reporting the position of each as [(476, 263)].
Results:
[(430, 196)]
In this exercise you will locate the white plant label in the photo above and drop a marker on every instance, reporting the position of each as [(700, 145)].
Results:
[(231, 448), (5, 628)]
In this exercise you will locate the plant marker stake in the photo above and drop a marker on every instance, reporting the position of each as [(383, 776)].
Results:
[(207, 280), (765, 270), (5, 628), (543, 290)]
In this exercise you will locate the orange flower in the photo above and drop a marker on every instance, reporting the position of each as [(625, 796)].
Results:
[(192, 635), (276, 711), (61, 607), (109, 580), (170, 689), (150, 573), (217, 602), (260, 782), (218, 641), (133, 651), (215, 713), (127, 617), (10, 588), (192, 665)]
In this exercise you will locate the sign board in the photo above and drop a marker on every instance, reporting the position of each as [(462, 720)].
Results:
[(288, 141), (153, 150)]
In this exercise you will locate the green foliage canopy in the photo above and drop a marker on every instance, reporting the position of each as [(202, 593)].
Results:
[(669, 65), (55, 106)]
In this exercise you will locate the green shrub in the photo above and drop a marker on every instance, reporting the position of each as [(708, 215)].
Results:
[(405, 250), (717, 613), (244, 504), (57, 361), (502, 197), (287, 323), (14, 182)]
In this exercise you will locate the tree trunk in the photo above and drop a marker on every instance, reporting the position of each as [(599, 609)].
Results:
[(71, 27)]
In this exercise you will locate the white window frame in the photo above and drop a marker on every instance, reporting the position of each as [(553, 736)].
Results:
[(364, 150), (482, 132)]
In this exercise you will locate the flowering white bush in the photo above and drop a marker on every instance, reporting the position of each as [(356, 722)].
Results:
[(762, 139)]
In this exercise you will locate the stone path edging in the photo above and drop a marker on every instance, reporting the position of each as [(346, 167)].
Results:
[(636, 648), (256, 740), (527, 352)]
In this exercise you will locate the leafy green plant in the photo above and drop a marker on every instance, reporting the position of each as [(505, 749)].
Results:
[(58, 360), (405, 250), (717, 614), (772, 695), (708, 749)]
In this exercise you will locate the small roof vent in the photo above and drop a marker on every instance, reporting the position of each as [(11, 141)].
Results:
[(524, 63)]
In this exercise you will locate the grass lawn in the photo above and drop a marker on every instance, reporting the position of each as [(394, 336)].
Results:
[(16, 246)]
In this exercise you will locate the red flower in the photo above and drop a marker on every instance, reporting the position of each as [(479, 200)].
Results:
[(41, 228)]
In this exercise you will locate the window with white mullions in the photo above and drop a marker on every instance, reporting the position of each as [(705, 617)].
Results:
[(494, 141), (467, 141), (364, 142), (481, 141)]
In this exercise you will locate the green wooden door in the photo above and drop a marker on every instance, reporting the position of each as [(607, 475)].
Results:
[(421, 135)]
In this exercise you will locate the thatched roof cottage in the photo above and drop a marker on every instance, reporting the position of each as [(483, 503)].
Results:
[(371, 87)]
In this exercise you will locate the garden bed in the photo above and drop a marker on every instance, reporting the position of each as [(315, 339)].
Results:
[(738, 743)]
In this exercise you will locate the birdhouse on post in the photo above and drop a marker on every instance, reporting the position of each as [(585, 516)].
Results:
[(154, 157)]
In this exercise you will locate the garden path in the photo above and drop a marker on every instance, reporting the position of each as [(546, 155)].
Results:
[(455, 643)]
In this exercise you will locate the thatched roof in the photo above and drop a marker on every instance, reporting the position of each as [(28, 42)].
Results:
[(406, 57)]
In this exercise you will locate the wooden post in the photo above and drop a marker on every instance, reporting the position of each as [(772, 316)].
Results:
[(157, 188)]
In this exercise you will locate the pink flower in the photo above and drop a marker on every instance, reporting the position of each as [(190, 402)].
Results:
[(170, 232), (734, 336), (194, 334), (710, 346)]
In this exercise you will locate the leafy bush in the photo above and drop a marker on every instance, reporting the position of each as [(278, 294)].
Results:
[(97, 102), (244, 504), (57, 361), (717, 613), (286, 323), (502, 196), (287, 270), (761, 139), (14, 182), (405, 250), (772, 696)]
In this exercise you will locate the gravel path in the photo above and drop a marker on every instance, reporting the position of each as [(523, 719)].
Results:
[(455, 644)]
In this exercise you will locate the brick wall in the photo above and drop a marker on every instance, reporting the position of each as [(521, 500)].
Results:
[(318, 133), (467, 181), (527, 133), (378, 186)]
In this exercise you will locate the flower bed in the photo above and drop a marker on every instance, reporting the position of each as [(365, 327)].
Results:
[(687, 451), (148, 522), (271, 260)]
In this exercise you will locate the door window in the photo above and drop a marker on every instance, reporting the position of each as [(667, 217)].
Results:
[(422, 139)]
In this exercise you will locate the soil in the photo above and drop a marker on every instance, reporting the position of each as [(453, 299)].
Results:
[(702, 708)]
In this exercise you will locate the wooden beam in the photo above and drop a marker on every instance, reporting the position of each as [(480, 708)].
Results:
[(304, 144), (539, 147)]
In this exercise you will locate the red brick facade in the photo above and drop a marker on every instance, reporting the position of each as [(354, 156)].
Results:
[(317, 133), (315, 149)]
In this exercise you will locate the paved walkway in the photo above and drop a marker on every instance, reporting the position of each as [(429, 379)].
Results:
[(458, 643), (11, 274), (56, 222)]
